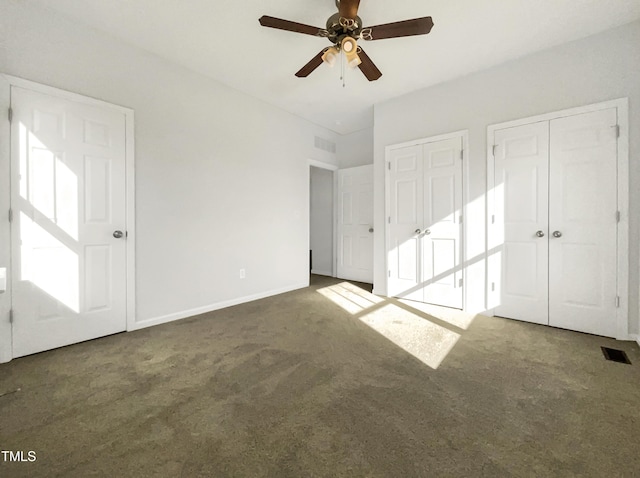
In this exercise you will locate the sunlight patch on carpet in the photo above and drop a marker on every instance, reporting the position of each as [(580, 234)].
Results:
[(455, 317), (351, 298), (428, 342)]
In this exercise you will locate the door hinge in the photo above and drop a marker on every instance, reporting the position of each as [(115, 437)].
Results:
[(10, 115), (617, 216), (389, 273), (10, 215), (389, 165), (389, 220), (617, 301), (460, 283), (493, 219), (495, 146), (460, 219), (493, 287), (617, 127), (461, 154), (11, 316)]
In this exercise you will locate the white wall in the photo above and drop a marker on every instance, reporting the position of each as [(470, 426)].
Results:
[(321, 242), (355, 149), (222, 179), (591, 70)]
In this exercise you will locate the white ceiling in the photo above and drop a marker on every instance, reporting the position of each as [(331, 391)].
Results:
[(223, 40)]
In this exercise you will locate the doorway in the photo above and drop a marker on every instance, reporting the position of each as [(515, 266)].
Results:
[(321, 212)]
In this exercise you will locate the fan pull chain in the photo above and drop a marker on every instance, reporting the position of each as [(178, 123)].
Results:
[(342, 73)]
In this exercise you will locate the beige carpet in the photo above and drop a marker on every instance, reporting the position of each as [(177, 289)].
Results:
[(328, 381)]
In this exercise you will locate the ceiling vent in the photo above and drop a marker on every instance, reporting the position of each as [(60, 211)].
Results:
[(325, 145)]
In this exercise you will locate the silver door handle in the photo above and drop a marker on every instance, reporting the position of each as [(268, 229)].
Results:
[(117, 234), (557, 234), (427, 231), (540, 234), (418, 231)]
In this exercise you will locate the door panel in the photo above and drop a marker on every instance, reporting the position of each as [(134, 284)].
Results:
[(583, 195), (521, 206), (442, 199), (355, 241), (68, 197), (405, 188)]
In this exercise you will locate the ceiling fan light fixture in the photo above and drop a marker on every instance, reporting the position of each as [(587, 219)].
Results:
[(354, 61), (330, 57), (349, 46)]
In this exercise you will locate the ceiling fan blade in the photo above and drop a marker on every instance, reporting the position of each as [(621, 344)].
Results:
[(272, 22), (367, 67), (405, 28), (349, 8), (307, 69)]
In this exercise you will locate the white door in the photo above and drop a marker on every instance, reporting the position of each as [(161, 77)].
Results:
[(583, 198), (556, 222), (521, 221), (355, 224), (68, 198), (425, 222), (442, 225), (405, 222)]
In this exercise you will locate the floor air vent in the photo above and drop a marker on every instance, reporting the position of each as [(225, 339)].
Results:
[(615, 355)]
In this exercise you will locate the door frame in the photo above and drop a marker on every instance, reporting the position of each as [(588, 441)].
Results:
[(6, 82), (464, 135), (333, 168), (622, 105)]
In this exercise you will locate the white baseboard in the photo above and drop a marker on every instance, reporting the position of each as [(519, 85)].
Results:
[(217, 306)]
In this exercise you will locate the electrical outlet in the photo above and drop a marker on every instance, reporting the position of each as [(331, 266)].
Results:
[(242, 274)]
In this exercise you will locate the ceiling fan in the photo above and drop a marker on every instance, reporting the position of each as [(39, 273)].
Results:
[(343, 30)]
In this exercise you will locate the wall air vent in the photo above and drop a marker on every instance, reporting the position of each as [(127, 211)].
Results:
[(325, 145)]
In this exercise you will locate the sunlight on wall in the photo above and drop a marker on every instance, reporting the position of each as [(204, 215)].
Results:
[(428, 342)]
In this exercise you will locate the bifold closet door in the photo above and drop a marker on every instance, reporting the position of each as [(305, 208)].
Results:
[(583, 222), (521, 219)]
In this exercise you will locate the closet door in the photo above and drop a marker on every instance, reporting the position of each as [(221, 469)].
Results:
[(405, 223), (442, 234), (583, 222), (521, 221), (425, 222)]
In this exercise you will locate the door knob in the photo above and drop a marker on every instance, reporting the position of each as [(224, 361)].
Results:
[(557, 234), (117, 234), (370, 229), (540, 234), (418, 231), (427, 231)]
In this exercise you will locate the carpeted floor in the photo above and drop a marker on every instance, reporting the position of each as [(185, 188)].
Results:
[(297, 386)]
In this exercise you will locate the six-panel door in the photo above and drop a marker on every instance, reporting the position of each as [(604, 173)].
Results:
[(425, 223), (68, 198)]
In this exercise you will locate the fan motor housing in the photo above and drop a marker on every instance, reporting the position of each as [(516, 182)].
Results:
[(338, 28)]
